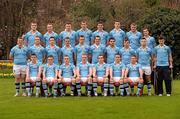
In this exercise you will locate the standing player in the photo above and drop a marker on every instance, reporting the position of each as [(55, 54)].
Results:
[(33, 76), (38, 50), (68, 50), (135, 75), (68, 32), (50, 72), (96, 49), (145, 57), (84, 31), (50, 33), (134, 36), (100, 76), (53, 50), (117, 70), (67, 75), (80, 49), (118, 34), (163, 61), (101, 33), (84, 75), (126, 52), (19, 55), (30, 36), (111, 50)]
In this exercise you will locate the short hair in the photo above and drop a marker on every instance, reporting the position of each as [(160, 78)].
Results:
[(37, 37), (52, 37), (68, 23), (116, 21), (50, 56), (133, 24), (98, 37), (117, 54), (134, 56), (33, 54), (83, 21), (66, 38), (20, 37), (34, 22), (66, 56), (49, 23), (126, 39), (82, 36), (111, 38), (101, 55), (100, 22), (161, 37)]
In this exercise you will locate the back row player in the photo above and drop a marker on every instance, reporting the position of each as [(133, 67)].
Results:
[(117, 33)]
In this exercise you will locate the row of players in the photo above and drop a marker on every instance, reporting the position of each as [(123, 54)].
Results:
[(161, 58), (117, 33)]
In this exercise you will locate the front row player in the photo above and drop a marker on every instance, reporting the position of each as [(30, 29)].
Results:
[(100, 76), (134, 75), (84, 75)]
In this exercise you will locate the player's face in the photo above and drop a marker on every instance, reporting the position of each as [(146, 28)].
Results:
[(66, 60), (133, 28), (50, 60), (37, 40), (117, 25), (101, 59), (33, 58), (67, 42), (49, 27), (161, 41), (81, 40), (51, 41), (145, 32), (20, 42), (117, 58), (68, 27), (100, 26), (83, 25), (126, 43), (112, 42), (143, 42), (84, 58), (97, 40), (133, 60), (33, 26)]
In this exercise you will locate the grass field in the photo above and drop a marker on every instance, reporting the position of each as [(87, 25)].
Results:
[(145, 107)]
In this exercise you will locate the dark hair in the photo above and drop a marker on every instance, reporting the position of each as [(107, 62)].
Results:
[(50, 56), (51, 38), (100, 22), (98, 37), (82, 36), (161, 37), (112, 39), (33, 54), (101, 55), (133, 56)]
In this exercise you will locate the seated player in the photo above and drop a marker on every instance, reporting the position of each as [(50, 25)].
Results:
[(117, 70), (67, 75), (145, 56), (84, 73), (134, 73), (50, 72), (33, 76), (100, 76)]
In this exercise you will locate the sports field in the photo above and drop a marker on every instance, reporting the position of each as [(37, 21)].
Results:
[(144, 107)]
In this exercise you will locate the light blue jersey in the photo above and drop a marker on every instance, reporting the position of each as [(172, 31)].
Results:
[(151, 43), (67, 71), (117, 69), (100, 69), (46, 37), (133, 70), (33, 69), (79, 50), (134, 39), (72, 35), (95, 51), (110, 53), (87, 35), (19, 55), (103, 35), (54, 51), (84, 69), (126, 55), (30, 38), (50, 70), (162, 55), (39, 51), (69, 52), (144, 56), (119, 36)]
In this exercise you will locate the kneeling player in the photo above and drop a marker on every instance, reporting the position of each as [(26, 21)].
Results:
[(117, 70), (84, 73), (100, 76), (50, 72), (67, 74), (33, 76), (135, 74)]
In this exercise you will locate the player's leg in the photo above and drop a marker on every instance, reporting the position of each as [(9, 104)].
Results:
[(73, 86), (95, 86), (55, 84), (28, 86), (32, 85), (22, 77), (78, 85), (45, 88), (160, 80), (60, 87), (132, 84), (105, 85), (147, 72), (140, 85), (126, 83), (38, 86), (111, 86), (16, 72), (167, 80), (89, 86), (121, 87)]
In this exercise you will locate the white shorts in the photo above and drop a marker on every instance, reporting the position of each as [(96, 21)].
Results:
[(19, 69), (49, 79), (134, 79), (84, 79), (67, 80), (100, 79), (147, 70), (33, 79), (116, 79)]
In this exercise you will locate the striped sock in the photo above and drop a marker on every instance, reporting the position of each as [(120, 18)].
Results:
[(78, 87), (89, 87), (95, 87), (140, 85), (132, 89), (105, 87), (122, 89), (111, 87), (38, 85), (17, 86), (23, 87), (55, 89), (60, 85), (149, 86), (28, 88), (126, 87), (45, 89)]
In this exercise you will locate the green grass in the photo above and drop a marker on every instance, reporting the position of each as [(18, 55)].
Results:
[(145, 107)]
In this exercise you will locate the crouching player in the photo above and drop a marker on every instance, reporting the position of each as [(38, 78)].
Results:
[(117, 70), (67, 74), (50, 72), (135, 74), (33, 76), (100, 76), (84, 75)]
